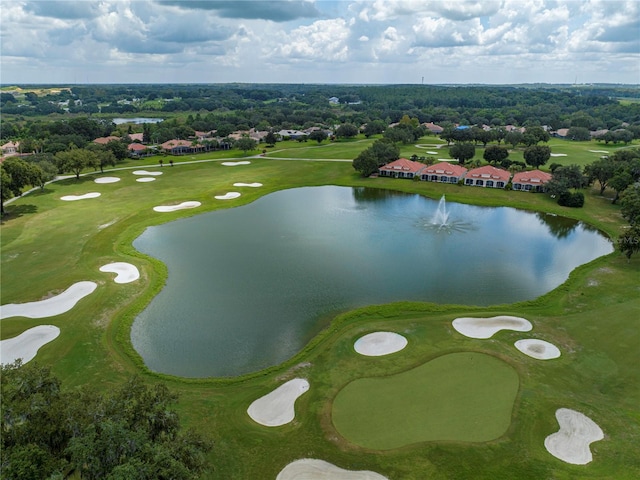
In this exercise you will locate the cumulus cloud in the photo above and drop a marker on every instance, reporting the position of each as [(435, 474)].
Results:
[(322, 40), (63, 9), (276, 11)]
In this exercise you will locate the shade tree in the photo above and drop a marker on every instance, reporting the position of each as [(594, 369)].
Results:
[(537, 155), (495, 154)]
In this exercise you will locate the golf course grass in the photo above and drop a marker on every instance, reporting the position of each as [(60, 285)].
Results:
[(49, 244), (465, 397)]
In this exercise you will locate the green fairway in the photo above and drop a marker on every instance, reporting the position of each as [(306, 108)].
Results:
[(48, 244), (465, 397)]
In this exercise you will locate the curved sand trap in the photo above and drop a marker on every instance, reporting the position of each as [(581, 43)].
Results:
[(558, 154), (379, 343), (50, 306), (311, 469), (107, 180), (277, 408), (71, 198), (180, 206), (598, 151), (26, 345), (233, 164), (255, 184), (125, 271), (228, 196), (538, 348), (571, 443), (486, 327), (432, 153), (144, 172), (145, 179)]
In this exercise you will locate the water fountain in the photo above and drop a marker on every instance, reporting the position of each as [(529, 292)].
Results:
[(440, 222), (441, 216)]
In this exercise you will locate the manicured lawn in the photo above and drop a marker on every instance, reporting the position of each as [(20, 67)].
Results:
[(466, 397), (48, 244)]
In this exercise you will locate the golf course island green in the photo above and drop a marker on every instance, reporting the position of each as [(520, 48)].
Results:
[(462, 397)]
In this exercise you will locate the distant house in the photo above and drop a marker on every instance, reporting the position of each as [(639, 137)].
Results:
[(105, 140), (334, 100), (401, 168), (533, 181), (443, 172), (561, 132), (138, 150), (292, 134), (487, 176), (181, 147), (136, 136), (10, 148), (433, 128)]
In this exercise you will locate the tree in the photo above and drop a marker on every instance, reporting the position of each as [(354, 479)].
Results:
[(462, 151), (630, 205), (5, 187), (346, 130), (19, 175), (131, 433), (76, 160), (537, 155), (495, 153), (246, 144), (629, 241), (318, 135), (565, 178), (379, 153), (374, 127), (580, 134), (619, 182), (513, 138), (602, 170), (270, 138), (366, 163)]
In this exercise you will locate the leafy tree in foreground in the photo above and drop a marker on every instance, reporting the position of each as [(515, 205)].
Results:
[(462, 151), (246, 144), (131, 433), (537, 155)]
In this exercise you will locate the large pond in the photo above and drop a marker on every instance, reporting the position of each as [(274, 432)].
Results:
[(249, 286), (136, 120)]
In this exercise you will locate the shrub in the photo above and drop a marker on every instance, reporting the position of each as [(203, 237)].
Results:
[(573, 200)]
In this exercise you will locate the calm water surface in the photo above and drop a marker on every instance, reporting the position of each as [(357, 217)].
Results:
[(248, 286)]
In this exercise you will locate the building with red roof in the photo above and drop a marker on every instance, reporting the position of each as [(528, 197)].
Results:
[(532, 181), (401, 168), (443, 172), (487, 176)]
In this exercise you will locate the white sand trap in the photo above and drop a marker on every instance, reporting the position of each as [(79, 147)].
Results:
[(107, 180), (571, 443), (558, 154), (277, 408), (144, 172), (598, 151), (233, 164), (432, 153), (538, 348), (71, 198), (50, 306), (145, 179), (379, 343), (253, 185), (26, 345), (311, 469), (486, 327), (228, 196), (126, 272), (173, 208)]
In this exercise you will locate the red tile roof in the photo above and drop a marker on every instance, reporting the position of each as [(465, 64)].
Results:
[(170, 144), (136, 147), (403, 165), (445, 168), (534, 177), (489, 172), (105, 140)]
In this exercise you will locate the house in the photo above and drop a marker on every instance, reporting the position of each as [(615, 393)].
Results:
[(532, 181), (292, 134), (10, 148), (561, 133), (105, 140), (334, 100), (137, 150), (487, 176), (181, 147), (401, 168), (136, 136), (443, 172), (433, 128)]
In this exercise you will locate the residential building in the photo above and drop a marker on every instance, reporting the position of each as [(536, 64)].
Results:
[(401, 168), (532, 181), (487, 176), (443, 172)]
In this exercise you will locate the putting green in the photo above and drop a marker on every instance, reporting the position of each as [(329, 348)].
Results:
[(464, 396)]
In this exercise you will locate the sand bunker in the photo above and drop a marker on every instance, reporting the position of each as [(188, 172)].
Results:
[(598, 151), (228, 196), (51, 306), (558, 154), (26, 345), (125, 271), (432, 153), (538, 348), (379, 343), (311, 469), (145, 179), (180, 206), (145, 172), (107, 180), (71, 198), (571, 443), (486, 327), (256, 184), (277, 408), (233, 164)]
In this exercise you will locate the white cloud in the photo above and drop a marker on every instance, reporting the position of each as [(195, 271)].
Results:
[(322, 40)]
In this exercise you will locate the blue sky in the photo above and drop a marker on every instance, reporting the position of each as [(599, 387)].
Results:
[(316, 41)]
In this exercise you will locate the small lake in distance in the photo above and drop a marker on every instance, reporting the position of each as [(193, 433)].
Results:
[(249, 286)]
